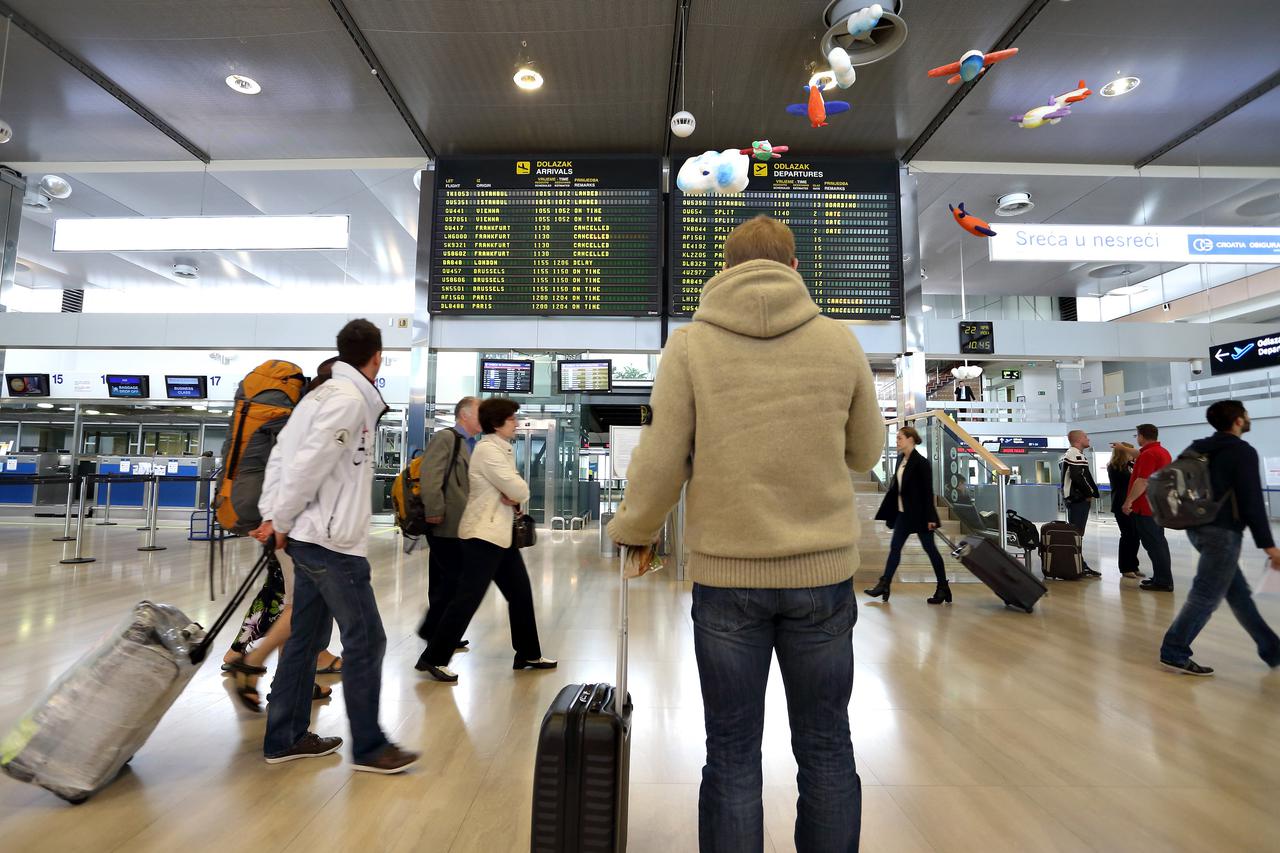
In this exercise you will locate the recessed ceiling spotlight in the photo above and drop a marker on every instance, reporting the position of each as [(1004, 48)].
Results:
[(44, 405), (1014, 204), (92, 412), (187, 272), (66, 408), (825, 80), (528, 79), (198, 408), (1119, 86), (243, 85), (1116, 270)]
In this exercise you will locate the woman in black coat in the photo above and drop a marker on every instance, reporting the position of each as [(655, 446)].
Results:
[(908, 508), (1119, 471)]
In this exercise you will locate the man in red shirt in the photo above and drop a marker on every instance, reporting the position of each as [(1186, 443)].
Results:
[(1151, 458)]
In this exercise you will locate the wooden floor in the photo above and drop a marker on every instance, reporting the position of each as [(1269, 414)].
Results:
[(975, 728)]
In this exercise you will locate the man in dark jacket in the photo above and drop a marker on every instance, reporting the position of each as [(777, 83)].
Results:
[(1079, 490), (1233, 471), (445, 486)]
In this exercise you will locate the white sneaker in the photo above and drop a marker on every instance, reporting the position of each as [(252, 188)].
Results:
[(540, 663)]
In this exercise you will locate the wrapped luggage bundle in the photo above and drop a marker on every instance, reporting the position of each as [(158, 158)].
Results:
[(88, 724)]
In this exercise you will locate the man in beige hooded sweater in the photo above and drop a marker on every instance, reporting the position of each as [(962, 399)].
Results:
[(772, 530)]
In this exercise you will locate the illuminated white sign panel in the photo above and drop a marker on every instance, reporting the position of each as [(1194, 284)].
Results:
[(1122, 243), (200, 233)]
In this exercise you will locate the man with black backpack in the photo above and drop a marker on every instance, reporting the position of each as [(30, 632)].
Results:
[(1235, 481), (444, 482)]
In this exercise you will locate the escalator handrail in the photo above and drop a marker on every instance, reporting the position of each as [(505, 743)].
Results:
[(968, 440)]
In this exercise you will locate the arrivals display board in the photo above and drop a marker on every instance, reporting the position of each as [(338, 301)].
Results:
[(566, 236), (578, 377), (506, 376), (845, 217)]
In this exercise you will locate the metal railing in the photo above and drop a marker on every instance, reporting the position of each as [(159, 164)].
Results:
[(1122, 405), (1249, 386), (986, 411)]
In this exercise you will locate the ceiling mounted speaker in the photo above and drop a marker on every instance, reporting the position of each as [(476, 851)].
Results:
[(883, 40), (1014, 204), (186, 272)]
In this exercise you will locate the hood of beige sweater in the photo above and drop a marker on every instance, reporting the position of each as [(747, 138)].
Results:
[(761, 299)]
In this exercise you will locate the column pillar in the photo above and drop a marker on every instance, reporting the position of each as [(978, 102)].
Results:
[(910, 365), (420, 418)]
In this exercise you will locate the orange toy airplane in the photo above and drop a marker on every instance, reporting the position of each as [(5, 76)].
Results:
[(971, 65), (971, 223), (817, 110)]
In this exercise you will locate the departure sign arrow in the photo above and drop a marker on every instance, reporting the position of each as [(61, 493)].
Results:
[(1249, 354), (1220, 355)]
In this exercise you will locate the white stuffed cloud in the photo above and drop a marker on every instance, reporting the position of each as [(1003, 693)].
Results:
[(714, 172), (842, 67), (864, 21)]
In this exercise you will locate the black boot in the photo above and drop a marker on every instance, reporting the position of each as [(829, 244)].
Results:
[(880, 590), (942, 595)]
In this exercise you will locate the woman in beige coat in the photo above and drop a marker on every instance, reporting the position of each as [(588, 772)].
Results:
[(497, 491)]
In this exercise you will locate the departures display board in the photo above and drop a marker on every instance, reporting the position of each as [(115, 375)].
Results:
[(845, 217), (568, 236)]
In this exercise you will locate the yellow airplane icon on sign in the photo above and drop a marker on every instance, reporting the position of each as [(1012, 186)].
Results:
[(761, 170), (522, 167)]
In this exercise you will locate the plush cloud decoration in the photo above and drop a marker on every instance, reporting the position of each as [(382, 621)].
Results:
[(864, 21), (842, 67), (714, 172)]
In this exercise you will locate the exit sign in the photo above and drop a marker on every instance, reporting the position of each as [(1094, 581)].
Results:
[(1011, 374)]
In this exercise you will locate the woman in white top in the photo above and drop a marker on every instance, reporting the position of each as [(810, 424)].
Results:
[(497, 491)]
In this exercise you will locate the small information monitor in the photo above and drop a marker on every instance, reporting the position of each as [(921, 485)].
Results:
[(586, 377), (977, 337), (128, 386), (186, 387), (505, 376), (27, 384)]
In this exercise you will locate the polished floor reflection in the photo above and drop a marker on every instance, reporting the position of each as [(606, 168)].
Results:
[(976, 728)]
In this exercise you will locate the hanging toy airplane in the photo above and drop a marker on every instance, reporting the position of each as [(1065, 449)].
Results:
[(817, 110), (764, 150), (971, 223), (971, 65)]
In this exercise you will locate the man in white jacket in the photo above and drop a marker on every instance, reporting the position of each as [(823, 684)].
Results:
[(319, 508)]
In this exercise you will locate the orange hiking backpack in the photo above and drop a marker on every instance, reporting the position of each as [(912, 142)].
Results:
[(264, 400)]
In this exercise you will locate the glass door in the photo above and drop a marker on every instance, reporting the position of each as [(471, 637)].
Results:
[(535, 452)]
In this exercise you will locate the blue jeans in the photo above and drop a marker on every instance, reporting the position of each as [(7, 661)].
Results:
[(1218, 576), (736, 633), (328, 586), (901, 533), (1157, 546)]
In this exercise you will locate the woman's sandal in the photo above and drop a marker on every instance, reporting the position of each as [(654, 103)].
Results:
[(247, 684), (334, 667), (319, 693)]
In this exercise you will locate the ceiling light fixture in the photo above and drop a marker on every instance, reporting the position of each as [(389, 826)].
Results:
[(44, 405), (201, 233), (1119, 86), (55, 186), (92, 412), (1127, 290), (66, 408), (199, 408), (1014, 204), (826, 80), (528, 79), (243, 85)]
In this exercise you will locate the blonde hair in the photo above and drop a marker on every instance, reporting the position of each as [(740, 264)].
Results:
[(762, 238), (1120, 457)]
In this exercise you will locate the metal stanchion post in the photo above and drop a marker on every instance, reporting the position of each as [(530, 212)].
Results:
[(79, 529), (155, 511), (66, 525), (106, 512), (147, 487)]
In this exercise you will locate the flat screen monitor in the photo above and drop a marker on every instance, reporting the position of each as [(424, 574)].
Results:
[(186, 387), (586, 377), (27, 384), (506, 376), (130, 386)]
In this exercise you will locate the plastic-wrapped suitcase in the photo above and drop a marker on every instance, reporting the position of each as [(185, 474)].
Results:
[(584, 754), (1061, 547), (78, 735), (1002, 574)]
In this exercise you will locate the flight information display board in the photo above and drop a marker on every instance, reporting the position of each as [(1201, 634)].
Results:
[(131, 386), (506, 376), (570, 236), (585, 376), (844, 214)]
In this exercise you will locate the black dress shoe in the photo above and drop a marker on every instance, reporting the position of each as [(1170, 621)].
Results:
[(1152, 586)]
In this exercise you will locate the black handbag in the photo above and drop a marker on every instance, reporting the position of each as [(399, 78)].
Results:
[(523, 532)]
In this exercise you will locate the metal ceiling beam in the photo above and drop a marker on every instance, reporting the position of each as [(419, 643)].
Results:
[(375, 65), (677, 70), (1034, 8), (102, 81), (1242, 101)]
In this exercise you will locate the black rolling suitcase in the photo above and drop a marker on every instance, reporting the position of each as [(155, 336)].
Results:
[(1061, 547), (1002, 574), (584, 756)]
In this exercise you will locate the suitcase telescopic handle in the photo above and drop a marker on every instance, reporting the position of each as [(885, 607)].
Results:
[(620, 700)]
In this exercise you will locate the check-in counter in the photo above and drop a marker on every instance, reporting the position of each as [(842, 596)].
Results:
[(184, 494), (17, 465)]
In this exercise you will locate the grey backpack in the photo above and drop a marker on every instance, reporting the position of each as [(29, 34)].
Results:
[(1181, 493)]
